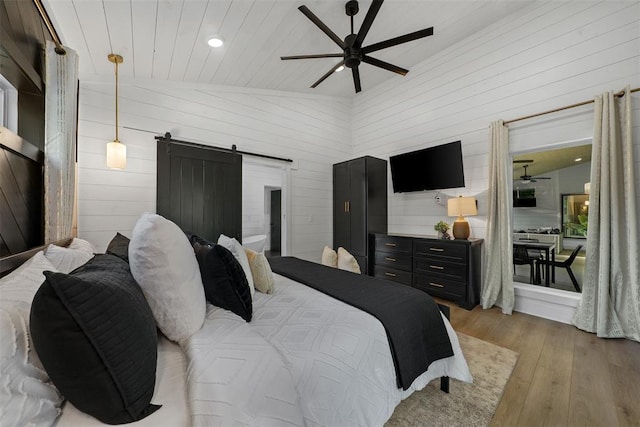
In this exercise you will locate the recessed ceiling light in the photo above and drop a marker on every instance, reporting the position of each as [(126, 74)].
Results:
[(578, 159), (340, 68), (215, 41)]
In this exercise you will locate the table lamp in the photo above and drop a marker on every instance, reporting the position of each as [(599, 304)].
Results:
[(460, 206)]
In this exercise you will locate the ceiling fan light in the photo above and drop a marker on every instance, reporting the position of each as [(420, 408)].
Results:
[(215, 41), (340, 68), (526, 181)]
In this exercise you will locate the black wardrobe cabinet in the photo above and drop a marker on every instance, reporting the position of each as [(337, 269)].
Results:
[(359, 206)]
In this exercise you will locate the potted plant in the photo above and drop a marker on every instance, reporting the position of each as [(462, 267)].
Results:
[(442, 228)]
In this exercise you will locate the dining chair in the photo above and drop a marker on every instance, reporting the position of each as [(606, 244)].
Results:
[(566, 264), (521, 257), (535, 254)]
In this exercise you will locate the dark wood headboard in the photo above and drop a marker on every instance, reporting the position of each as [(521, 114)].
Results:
[(21, 198)]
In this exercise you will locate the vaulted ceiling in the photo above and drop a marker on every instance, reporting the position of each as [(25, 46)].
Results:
[(166, 39)]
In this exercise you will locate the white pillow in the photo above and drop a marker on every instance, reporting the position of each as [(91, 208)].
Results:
[(346, 261), (164, 265), (23, 282), (69, 258), (27, 395), (329, 257), (238, 251)]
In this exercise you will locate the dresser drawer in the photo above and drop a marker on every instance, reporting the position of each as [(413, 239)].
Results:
[(399, 276), (438, 267), (439, 286), (394, 244), (440, 249), (399, 260)]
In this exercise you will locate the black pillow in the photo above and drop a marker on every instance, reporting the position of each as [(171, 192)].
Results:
[(119, 246), (96, 337), (225, 284)]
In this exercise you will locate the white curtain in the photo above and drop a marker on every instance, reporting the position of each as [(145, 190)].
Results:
[(610, 303), (61, 106), (498, 253)]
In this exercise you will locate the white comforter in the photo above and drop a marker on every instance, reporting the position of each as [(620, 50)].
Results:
[(304, 359)]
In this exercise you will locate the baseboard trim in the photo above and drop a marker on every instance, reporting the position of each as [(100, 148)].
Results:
[(553, 304)]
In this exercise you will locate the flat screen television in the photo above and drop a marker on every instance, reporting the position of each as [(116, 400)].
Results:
[(433, 168), (524, 198)]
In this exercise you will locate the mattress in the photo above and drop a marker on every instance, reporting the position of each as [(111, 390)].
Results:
[(304, 359)]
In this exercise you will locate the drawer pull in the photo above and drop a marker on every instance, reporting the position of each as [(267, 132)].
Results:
[(437, 285), (436, 267), (436, 249), (390, 259), (391, 244), (390, 274)]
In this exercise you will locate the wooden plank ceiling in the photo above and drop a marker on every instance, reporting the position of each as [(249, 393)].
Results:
[(166, 39)]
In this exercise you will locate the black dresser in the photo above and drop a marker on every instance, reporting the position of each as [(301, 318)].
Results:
[(449, 269)]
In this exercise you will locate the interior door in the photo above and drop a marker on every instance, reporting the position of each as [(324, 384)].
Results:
[(341, 225), (200, 189), (357, 207), (275, 227)]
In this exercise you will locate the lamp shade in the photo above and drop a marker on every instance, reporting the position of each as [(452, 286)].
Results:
[(116, 155), (461, 206)]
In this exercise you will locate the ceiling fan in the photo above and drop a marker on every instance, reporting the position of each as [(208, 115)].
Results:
[(526, 179), (353, 52)]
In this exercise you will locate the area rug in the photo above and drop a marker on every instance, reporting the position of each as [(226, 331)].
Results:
[(466, 404)]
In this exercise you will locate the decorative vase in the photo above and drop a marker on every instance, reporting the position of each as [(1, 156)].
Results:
[(444, 235)]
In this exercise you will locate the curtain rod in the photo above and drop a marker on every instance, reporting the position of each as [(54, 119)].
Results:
[(566, 107), (167, 138), (47, 22)]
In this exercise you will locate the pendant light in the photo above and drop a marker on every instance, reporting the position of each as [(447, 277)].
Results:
[(116, 150)]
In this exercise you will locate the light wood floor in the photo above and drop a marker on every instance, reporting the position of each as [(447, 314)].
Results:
[(564, 376)]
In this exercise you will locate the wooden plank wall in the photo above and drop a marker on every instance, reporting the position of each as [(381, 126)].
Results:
[(550, 55), (313, 131)]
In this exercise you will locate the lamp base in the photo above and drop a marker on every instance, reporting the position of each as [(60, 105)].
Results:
[(461, 229)]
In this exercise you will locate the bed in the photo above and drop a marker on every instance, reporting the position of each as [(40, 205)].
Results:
[(349, 382), (304, 358)]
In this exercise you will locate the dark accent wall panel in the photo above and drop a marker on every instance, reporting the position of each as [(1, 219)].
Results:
[(21, 203)]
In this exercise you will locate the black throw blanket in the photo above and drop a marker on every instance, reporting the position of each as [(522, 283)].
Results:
[(411, 318)]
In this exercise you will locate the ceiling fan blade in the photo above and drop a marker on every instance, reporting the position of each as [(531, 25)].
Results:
[(356, 79), (368, 20), (541, 177), (398, 40), (322, 55), (523, 161), (385, 65), (313, 18), (331, 71)]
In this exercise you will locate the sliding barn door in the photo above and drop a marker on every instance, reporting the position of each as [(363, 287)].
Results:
[(200, 189)]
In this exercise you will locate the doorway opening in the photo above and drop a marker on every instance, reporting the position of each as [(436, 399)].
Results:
[(273, 217)]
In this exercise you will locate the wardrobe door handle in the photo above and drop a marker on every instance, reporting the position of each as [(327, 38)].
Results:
[(348, 206)]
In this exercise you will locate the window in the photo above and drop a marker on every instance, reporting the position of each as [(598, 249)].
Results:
[(8, 105)]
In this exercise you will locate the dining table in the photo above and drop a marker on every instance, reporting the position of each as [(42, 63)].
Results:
[(549, 250)]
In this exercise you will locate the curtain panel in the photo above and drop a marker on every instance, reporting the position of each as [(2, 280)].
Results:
[(498, 275), (610, 303), (61, 106)]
